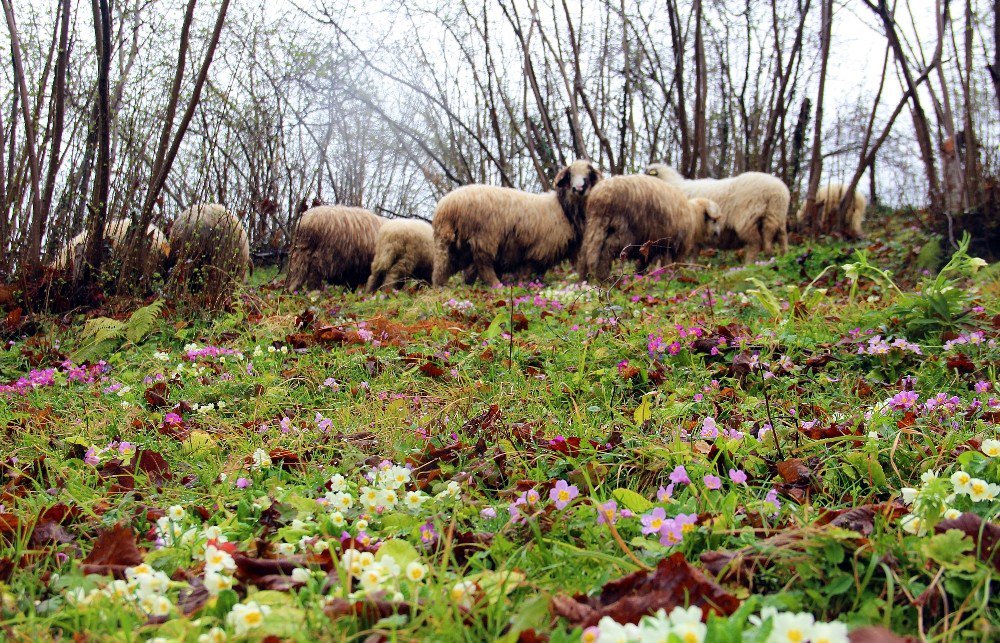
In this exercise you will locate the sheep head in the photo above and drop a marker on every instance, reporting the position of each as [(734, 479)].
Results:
[(707, 219), (573, 184), (665, 173)]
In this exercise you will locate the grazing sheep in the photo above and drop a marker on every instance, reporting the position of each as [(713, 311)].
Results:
[(828, 198), (753, 206), (484, 230), (404, 248), (624, 213), (333, 244), (209, 251), (115, 232)]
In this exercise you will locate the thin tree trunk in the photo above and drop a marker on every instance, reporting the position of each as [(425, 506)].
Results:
[(59, 107), (699, 163), (816, 161), (102, 184)]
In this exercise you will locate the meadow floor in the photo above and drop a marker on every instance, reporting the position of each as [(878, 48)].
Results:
[(537, 462)]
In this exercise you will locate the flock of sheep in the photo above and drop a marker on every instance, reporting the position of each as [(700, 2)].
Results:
[(486, 231)]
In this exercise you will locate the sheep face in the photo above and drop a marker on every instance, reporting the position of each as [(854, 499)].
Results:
[(577, 178), (708, 223), (664, 173)]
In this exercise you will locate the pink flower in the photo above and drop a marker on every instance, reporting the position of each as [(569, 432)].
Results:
[(91, 457), (664, 493), (982, 386), (242, 483), (738, 476), (607, 513), (772, 497), (679, 475), (653, 521), (671, 533), (904, 400), (172, 419), (489, 512), (563, 493), (712, 482), (709, 429), (427, 533)]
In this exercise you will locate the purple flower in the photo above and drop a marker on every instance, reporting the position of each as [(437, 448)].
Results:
[(738, 476), (489, 512), (607, 513), (686, 522), (904, 400), (664, 493), (242, 483), (671, 533), (679, 475), (563, 493), (427, 533), (91, 457), (655, 345), (172, 419), (982, 386), (653, 521), (772, 497), (709, 429), (712, 482)]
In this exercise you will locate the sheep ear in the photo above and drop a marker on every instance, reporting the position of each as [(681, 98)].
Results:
[(711, 210), (562, 179)]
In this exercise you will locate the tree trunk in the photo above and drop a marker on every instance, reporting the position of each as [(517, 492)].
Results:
[(102, 184), (816, 160)]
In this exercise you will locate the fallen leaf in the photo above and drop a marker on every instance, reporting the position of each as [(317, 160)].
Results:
[(114, 550)]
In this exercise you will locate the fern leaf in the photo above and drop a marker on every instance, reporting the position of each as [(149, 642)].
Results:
[(141, 321)]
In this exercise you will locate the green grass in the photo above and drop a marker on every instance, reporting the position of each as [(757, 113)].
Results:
[(608, 390)]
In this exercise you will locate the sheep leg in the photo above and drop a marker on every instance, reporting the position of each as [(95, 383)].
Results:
[(444, 265), (396, 277), (484, 266), (374, 281), (753, 241)]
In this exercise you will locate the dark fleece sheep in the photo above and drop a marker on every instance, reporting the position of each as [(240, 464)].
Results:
[(404, 249), (625, 213), (333, 244), (209, 252), (484, 230)]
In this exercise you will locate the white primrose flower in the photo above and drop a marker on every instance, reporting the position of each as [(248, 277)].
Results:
[(246, 617)]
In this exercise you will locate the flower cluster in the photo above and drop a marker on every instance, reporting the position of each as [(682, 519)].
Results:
[(685, 624), (530, 501), (380, 573), (670, 530), (878, 346), (96, 456), (974, 338), (192, 352), (143, 587), (460, 305), (44, 377)]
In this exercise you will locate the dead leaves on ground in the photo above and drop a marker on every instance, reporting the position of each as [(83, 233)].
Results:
[(673, 583)]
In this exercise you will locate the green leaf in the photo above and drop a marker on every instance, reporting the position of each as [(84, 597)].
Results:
[(839, 585), (949, 549), (632, 501), (496, 325), (643, 412), (401, 551)]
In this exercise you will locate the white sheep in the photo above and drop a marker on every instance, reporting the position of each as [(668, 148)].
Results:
[(484, 230), (404, 249), (828, 198), (753, 206)]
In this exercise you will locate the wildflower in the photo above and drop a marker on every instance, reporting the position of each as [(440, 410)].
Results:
[(712, 482), (261, 459), (913, 524), (961, 480), (463, 594), (709, 429), (488, 512), (790, 627), (242, 483), (427, 533), (981, 386), (991, 448), (738, 476), (155, 605), (215, 582), (671, 532), (176, 513), (980, 490), (607, 513), (679, 475), (416, 572), (531, 496), (591, 635), (951, 513), (653, 521), (772, 497), (928, 476), (214, 635), (563, 493), (686, 624), (285, 549), (338, 483), (664, 493), (245, 617), (834, 632), (413, 499)]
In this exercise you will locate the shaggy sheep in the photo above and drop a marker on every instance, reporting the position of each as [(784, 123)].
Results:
[(484, 230), (115, 232), (645, 218), (753, 206), (209, 251), (828, 199), (404, 248), (333, 244)]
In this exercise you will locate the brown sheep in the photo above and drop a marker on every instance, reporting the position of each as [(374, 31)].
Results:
[(209, 251), (333, 244), (404, 249), (828, 199), (753, 206), (484, 230), (643, 218)]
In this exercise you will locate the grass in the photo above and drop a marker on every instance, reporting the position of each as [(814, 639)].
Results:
[(220, 433)]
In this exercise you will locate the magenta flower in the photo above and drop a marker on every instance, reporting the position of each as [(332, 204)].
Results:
[(772, 497), (427, 533), (563, 493), (679, 475), (242, 483), (607, 513), (904, 400), (738, 476), (653, 521), (712, 482), (709, 429), (172, 419), (982, 386), (530, 497)]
